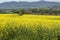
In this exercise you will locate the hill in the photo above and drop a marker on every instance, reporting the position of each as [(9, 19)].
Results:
[(39, 4)]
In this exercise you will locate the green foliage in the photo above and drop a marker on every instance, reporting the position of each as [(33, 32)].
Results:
[(11, 32), (42, 11)]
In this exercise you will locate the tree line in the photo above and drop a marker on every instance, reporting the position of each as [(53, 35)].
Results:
[(41, 11)]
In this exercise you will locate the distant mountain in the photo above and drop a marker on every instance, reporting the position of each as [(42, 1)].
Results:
[(39, 4)]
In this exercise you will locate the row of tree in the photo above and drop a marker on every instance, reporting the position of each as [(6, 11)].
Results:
[(42, 11)]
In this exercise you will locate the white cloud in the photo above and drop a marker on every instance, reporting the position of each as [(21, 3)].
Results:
[(28, 0), (53, 0)]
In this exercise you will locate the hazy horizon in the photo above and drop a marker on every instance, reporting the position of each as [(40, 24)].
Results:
[(1, 1)]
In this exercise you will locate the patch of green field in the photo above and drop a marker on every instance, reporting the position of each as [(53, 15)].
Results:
[(29, 27)]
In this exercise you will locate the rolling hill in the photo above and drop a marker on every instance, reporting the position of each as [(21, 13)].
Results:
[(38, 4)]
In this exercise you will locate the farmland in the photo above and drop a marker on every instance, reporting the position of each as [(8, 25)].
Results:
[(29, 27)]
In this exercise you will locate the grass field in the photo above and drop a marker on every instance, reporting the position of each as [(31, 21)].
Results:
[(29, 27)]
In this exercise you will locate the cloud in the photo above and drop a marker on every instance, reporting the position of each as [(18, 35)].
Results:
[(53, 0), (28, 0)]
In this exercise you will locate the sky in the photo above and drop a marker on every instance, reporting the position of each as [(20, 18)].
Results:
[(28, 0)]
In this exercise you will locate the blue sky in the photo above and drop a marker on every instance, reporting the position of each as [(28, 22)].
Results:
[(27, 0)]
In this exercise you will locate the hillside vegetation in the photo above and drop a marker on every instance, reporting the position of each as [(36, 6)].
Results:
[(35, 11)]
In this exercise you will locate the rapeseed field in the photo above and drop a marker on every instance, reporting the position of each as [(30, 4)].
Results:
[(29, 27)]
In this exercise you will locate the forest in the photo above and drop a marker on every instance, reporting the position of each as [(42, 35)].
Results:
[(37, 11)]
